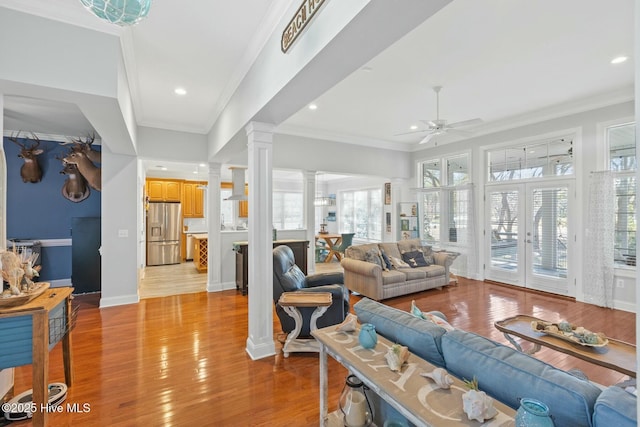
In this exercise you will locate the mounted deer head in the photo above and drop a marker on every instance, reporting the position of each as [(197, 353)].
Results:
[(30, 170), (89, 171), (85, 147), (75, 187)]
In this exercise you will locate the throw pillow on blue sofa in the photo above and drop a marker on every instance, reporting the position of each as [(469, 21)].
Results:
[(420, 336)]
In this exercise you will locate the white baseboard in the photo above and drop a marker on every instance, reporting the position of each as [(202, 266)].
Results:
[(123, 300)]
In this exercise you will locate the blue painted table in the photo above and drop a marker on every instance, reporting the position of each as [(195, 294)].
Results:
[(29, 331)]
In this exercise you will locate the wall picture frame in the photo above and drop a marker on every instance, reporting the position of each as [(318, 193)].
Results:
[(387, 193)]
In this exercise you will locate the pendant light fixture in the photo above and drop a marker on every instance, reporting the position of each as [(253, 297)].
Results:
[(120, 12)]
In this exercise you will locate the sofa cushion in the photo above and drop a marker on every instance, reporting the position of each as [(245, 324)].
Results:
[(507, 374), (409, 245), (358, 251), (432, 270), (615, 407), (391, 249), (413, 273), (373, 256), (399, 263), (386, 260), (422, 337), (414, 259), (438, 319)]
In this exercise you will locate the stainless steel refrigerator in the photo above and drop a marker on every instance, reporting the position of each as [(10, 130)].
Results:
[(163, 233)]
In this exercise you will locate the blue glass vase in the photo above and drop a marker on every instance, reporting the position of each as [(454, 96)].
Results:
[(367, 336), (533, 413)]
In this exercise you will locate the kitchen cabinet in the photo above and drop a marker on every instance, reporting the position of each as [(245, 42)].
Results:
[(243, 205), (193, 199), (299, 248), (164, 190)]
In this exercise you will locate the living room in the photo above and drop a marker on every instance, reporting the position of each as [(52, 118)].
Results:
[(291, 150)]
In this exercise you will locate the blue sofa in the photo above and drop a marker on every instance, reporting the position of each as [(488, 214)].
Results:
[(503, 372)]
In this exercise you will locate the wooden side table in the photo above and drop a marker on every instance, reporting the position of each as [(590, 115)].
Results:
[(290, 301), (29, 331)]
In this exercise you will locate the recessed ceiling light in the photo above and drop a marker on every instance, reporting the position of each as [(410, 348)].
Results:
[(195, 171), (619, 59), (180, 91), (162, 168), (367, 69), (413, 127), (313, 107), (202, 165)]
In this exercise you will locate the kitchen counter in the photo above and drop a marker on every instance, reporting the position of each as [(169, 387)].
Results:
[(241, 248), (200, 236)]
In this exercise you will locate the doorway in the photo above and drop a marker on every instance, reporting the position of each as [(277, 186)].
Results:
[(527, 237)]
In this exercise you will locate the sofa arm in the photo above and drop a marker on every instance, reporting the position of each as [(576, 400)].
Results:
[(336, 278), (363, 277), (361, 267), (445, 258)]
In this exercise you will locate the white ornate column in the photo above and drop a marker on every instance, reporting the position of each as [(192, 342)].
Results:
[(260, 342), (214, 260), (309, 195)]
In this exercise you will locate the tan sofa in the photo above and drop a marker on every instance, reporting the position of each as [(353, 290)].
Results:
[(365, 275)]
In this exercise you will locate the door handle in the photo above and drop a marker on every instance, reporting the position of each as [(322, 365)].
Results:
[(528, 241)]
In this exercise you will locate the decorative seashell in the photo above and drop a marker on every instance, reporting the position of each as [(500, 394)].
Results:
[(396, 356), (478, 406), (349, 324), (440, 376)]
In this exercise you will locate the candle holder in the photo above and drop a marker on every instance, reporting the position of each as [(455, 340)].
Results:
[(354, 403)]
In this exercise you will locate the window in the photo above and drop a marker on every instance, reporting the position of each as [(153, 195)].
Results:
[(621, 141), (288, 210), (445, 199), (361, 213), (532, 160)]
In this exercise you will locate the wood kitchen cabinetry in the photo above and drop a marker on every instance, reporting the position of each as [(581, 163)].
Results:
[(193, 199), (164, 190)]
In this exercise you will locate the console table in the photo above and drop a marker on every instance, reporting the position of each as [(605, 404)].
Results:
[(29, 331), (617, 355), (299, 248), (414, 396)]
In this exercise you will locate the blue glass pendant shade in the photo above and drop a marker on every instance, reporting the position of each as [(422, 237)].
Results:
[(120, 12)]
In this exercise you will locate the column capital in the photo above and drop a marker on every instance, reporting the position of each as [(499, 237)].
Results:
[(253, 127)]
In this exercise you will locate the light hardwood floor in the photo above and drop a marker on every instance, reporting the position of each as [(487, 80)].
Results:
[(175, 279), (180, 360)]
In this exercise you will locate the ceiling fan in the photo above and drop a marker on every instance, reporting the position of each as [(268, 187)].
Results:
[(440, 127)]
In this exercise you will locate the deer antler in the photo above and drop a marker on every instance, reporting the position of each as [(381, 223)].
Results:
[(14, 139)]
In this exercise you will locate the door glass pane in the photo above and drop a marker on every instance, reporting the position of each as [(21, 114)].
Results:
[(549, 232), (504, 230), (431, 217)]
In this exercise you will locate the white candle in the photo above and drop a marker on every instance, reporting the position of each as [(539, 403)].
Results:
[(356, 410)]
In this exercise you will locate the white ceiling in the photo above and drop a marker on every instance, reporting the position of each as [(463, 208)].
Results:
[(507, 62)]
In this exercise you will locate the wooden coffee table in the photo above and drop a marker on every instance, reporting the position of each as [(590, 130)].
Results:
[(290, 301), (617, 355)]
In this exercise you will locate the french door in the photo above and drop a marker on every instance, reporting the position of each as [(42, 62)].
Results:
[(527, 235)]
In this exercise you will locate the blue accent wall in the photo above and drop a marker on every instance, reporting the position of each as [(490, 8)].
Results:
[(39, 211)]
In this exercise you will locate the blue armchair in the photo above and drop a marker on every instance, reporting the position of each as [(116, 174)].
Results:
[(287, 277)]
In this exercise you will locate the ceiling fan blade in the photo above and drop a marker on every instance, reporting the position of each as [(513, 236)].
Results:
[(411, 132), (430, 123), (428, 138), (464, 123)]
